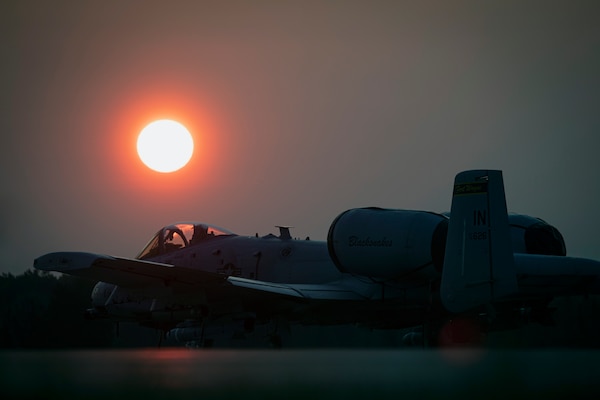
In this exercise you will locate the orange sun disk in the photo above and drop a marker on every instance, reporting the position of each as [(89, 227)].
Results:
[(165, 146)]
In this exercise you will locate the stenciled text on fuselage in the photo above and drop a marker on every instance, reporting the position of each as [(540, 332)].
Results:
[(355, 241)]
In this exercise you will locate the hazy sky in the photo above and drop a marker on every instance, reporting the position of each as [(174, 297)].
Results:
[(300, 110)]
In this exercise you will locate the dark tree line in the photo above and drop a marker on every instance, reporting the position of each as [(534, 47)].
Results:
[(41, 310), (45, 310)]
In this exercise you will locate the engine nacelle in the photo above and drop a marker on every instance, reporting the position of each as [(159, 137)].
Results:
[(532, 235), (386, 243)]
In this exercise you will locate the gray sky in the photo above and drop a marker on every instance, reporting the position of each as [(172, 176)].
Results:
[(300, 110)]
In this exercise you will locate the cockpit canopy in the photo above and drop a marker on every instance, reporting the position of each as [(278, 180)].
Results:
[(178, 236)]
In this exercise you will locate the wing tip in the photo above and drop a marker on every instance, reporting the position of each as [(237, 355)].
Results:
[(65, 261)]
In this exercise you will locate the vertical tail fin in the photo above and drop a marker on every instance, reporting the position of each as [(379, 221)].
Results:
[(478, 265)]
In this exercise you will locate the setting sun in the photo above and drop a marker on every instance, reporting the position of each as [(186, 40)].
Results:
[(165, 145)]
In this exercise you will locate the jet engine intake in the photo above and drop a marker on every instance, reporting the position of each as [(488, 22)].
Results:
[(532, 235), (387, 243)]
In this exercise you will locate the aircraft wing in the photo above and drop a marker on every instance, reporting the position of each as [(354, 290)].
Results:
[(327, 291), (126, 272), (133, 273)]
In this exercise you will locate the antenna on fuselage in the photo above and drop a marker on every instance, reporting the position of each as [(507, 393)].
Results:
[(284, 232)]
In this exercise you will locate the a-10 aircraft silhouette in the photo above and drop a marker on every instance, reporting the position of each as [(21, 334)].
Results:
[(380, 268)]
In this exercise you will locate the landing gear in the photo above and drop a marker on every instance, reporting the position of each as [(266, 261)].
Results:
[(161, 336), (275, 340), (274, 336)]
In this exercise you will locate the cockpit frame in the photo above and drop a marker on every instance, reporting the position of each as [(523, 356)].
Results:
[(181, 235)]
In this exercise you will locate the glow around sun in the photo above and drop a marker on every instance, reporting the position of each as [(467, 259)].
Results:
[(165, 145)]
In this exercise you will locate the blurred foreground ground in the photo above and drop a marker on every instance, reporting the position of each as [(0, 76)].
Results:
[(300, 374)]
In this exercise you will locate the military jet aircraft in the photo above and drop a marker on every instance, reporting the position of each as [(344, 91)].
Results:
[(380, 268)]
